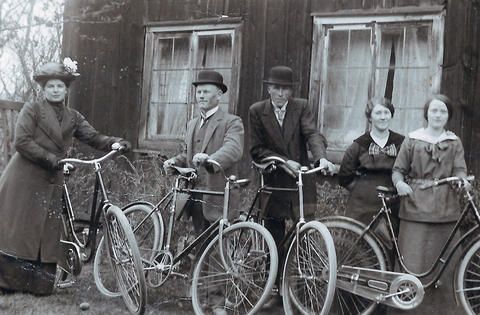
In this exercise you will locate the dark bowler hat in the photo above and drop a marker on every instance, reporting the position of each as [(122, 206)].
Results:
[(211, 77), (280, 75), (54, 70)]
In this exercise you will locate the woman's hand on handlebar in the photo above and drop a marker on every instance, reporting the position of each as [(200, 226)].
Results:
[(403, 188), (466, 184)]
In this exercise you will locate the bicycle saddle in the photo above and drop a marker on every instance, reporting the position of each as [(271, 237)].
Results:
[(270, 165), (389, 190), (185, 171)]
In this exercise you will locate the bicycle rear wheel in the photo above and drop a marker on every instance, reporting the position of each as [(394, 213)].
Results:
[(356, 252), (310, 271), (149, 238), (467, 280), (246, 283), (125, 260)]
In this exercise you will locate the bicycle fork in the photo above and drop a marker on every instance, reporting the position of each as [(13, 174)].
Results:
[(399, 290)]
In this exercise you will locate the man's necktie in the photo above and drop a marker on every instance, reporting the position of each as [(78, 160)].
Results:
[(280, 113), (203, 122)]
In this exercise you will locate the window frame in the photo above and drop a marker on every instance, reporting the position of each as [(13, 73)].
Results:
[(349, 21), (152, 33)]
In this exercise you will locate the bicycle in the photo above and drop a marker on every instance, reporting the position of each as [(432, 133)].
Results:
[(236, 264), (310, 265), (123, 252), (364, 279)]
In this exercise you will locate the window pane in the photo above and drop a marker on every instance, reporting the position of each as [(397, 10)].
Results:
[(345, 93), (215, 52), (170, 86)]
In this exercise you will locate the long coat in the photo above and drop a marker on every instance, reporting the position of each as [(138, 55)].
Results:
[(30, 190), (268, 139), (223, 142)]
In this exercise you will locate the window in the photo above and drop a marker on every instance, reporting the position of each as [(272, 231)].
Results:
[(397, 57), (173, 59)]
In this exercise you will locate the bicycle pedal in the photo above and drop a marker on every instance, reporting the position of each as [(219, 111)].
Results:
[(65, 283), (178, 274)]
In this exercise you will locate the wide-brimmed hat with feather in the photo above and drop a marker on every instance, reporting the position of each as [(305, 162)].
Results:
[(67, 72)]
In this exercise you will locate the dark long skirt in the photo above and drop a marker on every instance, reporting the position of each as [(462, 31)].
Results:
[(420, 244), (26, 276)]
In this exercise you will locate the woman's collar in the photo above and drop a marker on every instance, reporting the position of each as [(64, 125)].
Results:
[(420, 134)]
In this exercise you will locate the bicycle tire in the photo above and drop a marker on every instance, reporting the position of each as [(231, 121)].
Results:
[(103, 272), (467, 279), (367, 253), (149, 235), (125, 260), (149, 240), (310, 272), (251, 252)]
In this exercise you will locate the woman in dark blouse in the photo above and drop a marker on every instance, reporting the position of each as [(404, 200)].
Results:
[(368, 162)]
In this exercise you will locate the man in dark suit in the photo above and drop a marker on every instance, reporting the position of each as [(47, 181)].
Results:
[(215, 135), (283, 126)]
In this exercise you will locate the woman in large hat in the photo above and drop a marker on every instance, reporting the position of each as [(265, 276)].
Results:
[(30, 186)]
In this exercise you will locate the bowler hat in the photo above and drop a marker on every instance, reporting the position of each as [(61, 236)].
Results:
[(211, 77), (54, 70), (280, 75)]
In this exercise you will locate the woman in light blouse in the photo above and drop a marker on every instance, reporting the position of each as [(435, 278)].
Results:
[(427, 216)]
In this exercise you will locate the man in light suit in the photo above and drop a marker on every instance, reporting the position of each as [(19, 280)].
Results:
[(283, 126), (215, 135)]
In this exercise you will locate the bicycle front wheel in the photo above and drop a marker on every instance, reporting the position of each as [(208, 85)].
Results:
[(310, 272), (125, 259), (467, 280), (244, 285), (148, 235), (355, 251)]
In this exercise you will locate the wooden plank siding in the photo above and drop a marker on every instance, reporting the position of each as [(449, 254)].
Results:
[(110, 52)]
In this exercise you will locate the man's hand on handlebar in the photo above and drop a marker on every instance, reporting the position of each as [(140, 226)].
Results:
[(329, 167), (291, 167), (167, 166), (199, 159)]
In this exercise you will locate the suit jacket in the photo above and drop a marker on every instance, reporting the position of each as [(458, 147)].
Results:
[(30, 190), (223, 142), (299, 130)]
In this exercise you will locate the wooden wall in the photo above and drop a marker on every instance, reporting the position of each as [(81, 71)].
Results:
[(107, 41), (107, 38)]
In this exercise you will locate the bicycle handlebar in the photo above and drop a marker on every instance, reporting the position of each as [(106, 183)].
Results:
[(444, 181), (303, 169), (94, 161)]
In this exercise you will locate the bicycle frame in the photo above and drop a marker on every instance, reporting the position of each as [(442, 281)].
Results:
[(99, 188), (217, 227), (353, 274), (295, 230)]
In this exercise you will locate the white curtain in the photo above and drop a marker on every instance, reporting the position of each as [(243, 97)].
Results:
[(411, 75)]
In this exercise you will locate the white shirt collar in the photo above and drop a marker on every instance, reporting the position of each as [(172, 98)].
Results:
[(284, 108), (209, 113)]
